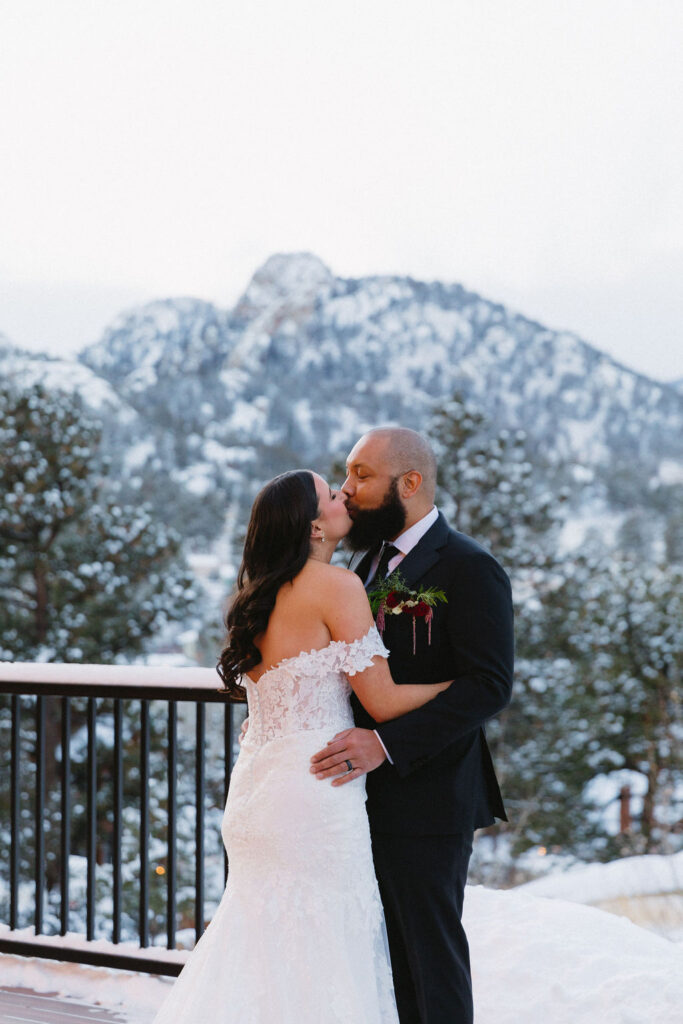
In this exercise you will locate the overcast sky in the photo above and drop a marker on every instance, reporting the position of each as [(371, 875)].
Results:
[(531, 150)]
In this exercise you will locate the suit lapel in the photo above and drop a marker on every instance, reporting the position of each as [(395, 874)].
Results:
[(425, 554)]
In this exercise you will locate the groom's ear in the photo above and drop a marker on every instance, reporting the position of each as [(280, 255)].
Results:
[(410, 483)]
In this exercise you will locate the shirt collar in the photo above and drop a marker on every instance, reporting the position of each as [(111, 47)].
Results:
[(406, 541)]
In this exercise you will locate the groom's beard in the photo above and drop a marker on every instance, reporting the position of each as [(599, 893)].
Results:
[(370, 526)]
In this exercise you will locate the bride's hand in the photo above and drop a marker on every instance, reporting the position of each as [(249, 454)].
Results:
[(243, 731)]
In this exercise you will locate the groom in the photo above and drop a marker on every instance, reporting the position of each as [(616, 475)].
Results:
[(431, 781)]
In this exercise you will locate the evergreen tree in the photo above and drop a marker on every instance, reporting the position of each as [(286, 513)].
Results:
[(618, 623), (82, 578), (491, 489), (538, 746), (596, 716)]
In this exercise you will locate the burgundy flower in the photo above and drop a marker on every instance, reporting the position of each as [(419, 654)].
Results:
[(392, 599), (421, 610)]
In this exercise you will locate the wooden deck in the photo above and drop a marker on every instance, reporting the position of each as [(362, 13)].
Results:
[(22, 1005)]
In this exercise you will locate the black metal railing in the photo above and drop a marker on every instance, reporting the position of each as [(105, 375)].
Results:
[(43, 774)]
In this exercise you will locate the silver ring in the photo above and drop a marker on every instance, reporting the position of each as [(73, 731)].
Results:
[(349, 765)]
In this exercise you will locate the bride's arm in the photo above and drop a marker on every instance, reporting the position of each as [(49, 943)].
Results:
[(348, 617), (384, 699)]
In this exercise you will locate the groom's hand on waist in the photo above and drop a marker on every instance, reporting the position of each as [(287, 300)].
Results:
[(358, 748)]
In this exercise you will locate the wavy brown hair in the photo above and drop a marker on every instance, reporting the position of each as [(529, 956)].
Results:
[(277, 547)]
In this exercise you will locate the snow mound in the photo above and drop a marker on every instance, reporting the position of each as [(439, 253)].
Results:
[(542, 960), (649, 875)]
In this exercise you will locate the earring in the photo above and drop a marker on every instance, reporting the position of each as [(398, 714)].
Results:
[(322, 538)]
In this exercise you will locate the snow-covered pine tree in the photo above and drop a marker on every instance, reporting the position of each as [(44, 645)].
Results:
[(495, 491), (491, 489), (82, 578), (617, 622)]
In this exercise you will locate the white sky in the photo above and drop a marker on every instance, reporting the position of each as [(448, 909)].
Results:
[(531, 150)]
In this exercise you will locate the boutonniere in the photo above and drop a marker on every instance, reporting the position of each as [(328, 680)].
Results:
[(392, 596)]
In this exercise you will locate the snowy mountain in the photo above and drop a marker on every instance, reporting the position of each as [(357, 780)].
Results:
[(307, 360), (23, 368)]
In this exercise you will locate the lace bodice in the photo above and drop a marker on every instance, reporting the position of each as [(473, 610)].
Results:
[(310, 690)]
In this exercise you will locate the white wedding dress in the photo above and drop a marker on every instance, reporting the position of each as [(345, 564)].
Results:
[(299, 936)]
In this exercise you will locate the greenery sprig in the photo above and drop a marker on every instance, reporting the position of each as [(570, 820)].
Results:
[(394, 592)]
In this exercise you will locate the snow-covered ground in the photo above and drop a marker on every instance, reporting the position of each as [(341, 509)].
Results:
[(631, 876), (543, 961), (535, 961), (648, 890)]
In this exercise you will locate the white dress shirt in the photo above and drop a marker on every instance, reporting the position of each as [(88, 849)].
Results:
[(405, 542)]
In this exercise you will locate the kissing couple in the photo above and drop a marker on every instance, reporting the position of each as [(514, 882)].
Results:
[(337, 911)]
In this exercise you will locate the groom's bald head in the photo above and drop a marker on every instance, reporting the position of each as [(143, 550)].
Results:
[(390, 484), (404, 451)]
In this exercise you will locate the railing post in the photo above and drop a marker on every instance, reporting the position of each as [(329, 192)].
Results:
[(39, 839), (228, 713), (117, 835), (15, 812), (199, 822), (171, 849), (65, 838), (144, 823), (91, 818)]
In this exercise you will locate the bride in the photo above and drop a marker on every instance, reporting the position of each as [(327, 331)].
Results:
[(298, 937)]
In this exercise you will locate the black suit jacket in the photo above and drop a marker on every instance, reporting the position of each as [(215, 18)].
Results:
[(442, 779)]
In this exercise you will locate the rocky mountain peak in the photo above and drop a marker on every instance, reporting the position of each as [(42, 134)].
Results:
[(288, 282)]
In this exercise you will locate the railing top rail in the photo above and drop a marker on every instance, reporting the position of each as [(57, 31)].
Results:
[(145, 681)]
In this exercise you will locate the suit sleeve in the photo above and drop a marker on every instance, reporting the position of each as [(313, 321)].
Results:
[(479, 624)]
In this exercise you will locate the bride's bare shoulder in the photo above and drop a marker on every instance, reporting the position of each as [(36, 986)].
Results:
[(331, 579)]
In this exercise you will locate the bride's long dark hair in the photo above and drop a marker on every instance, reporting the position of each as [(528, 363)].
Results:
[(277, 547)]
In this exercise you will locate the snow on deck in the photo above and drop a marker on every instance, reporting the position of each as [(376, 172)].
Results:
[(100, 994), (21, 1005)]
